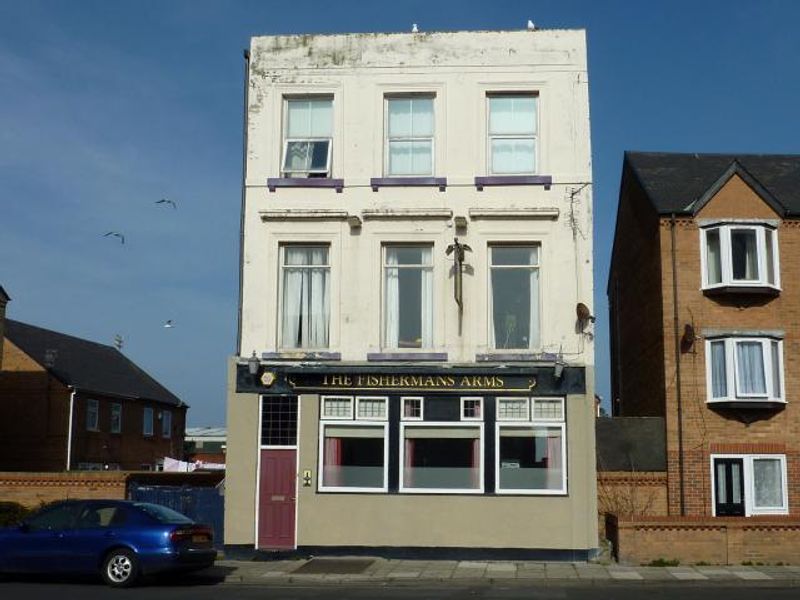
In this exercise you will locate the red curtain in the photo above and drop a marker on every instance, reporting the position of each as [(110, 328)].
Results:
[(476, 463), (333, 461), (554, 462), (408, 464)]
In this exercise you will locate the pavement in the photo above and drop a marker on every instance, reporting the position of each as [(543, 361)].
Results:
[(382, 570)]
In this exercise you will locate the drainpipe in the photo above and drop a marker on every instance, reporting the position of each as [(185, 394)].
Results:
[(246, 97), (69, 431), (676, 335)]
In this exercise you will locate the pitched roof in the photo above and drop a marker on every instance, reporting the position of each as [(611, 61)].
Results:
[(679, 183), (87, 365), (631, 444), (3, 296)]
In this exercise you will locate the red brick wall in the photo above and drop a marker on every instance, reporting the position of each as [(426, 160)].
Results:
[(32, 489), (689, 540), (632, 493)]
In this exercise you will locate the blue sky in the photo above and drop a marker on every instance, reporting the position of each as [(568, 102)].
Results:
[(108, 106)]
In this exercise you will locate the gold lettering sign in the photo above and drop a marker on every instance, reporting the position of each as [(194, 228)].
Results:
[(408, 382)]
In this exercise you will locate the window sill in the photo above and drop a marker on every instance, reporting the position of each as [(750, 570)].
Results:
[(503, 180), (755, 403), (757, 289), (292, 355), (508, 356), (379, 182), (407, 356), (531, 493), (305, 182), (440, 491), (351, 490)]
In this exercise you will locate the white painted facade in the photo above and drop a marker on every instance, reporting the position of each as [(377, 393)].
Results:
[(460, 70)]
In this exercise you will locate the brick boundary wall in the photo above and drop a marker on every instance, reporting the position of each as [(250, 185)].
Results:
[(692, 540), (33, 489)]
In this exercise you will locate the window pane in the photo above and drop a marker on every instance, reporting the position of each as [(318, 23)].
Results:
[(513, 155), (412, 408), (776, 369), (515, 255), (319, 156), (736, 482), (336, 408), (60, 517), (767, 483), (320, 118), (279, 420), (713, 257), (744, 254), (371, 408), (297, 156), (531, 458), (719, 376), (512, 115), (515, 318), (309, 118), (422, 117), (306, 297), (408, 297), (399, 117), (769, 236), (750, 368), (512, 408), (410, 157), (722, 490), (353, 457), (548, 409), (441, 458)]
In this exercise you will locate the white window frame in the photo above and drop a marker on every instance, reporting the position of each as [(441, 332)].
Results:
[(536, 400), (282, 266), (749, 484), (321, 455), (450, 425), (387, 140), (116, 407), (463, 403), (166, 424), (531, 422), (421, 401), (287, 140), (732, 370), (421, 267), (385, 416), (147, 410), (351, 414), (92, 408), (727, 279), (492, 335), (490, 137), (526, 417)]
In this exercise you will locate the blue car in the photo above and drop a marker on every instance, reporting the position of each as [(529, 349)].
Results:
[(121, 540)]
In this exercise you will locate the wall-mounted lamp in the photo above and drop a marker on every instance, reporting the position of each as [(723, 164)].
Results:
[(253, 364), (558, 369)]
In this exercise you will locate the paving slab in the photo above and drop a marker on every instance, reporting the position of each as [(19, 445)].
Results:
[(751, 575), (685, 574), (626, 575)]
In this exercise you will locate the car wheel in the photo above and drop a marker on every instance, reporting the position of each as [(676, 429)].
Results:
[(120, 568)]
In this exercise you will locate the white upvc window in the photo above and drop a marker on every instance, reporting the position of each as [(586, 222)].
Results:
[(353, 444), (308, 133), (530, 446), (514, 313), (762, 490), (305, 296), (92, 415), (513, 132), (147, 421), (166, 423), (408, 296), (740, 255), (409, 136), (441, 457), (744, 369), (413, 408), (116, 418), (472, 408)]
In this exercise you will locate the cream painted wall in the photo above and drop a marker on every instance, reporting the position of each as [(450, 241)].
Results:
[(460, 68)]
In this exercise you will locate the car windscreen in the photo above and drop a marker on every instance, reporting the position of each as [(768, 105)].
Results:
[(162, 514)]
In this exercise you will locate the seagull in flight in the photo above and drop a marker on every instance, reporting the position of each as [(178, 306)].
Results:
[(116, 234), (168, 324), (166, 201)]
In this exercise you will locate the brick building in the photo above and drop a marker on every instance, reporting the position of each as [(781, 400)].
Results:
[(69, 403), (4, 298), (705, 325)]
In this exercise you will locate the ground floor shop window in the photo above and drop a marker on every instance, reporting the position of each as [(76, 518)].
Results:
[(353, 457), (745, 485), (442, 457)]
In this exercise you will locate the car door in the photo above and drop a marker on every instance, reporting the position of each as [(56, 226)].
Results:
[(96, 529), (39, 545)]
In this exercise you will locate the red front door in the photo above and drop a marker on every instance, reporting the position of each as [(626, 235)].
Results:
[(277, 499)]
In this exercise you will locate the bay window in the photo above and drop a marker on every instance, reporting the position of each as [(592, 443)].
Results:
[(740, 255), (353, 449), (512, 136), (409, 136), (531, 446), (408, 296), (514, 279), (744, 370), (308, 128), (305, 303)]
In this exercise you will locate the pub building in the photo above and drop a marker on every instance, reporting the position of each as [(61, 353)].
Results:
[(415, 365)]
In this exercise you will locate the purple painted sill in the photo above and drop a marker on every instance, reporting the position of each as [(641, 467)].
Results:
[(305, 182), (290, 355), (379, 182), (545, 180), (406, 356)]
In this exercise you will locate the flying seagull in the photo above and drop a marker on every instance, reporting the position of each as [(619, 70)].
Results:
[(116, 235), (168, 324), (167, 201)]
